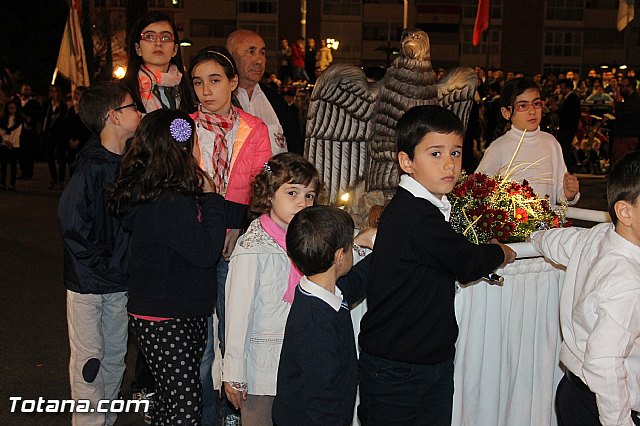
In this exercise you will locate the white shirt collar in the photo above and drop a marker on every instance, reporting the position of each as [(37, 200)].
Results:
[(312, 289), (417, 190)]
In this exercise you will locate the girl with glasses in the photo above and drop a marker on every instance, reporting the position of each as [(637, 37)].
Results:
[(539, 157), (154, 73)]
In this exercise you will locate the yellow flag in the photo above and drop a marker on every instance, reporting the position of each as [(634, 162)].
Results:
[(72, 62)]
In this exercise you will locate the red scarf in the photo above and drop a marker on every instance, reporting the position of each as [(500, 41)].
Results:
[(276, 232), (220, 126)]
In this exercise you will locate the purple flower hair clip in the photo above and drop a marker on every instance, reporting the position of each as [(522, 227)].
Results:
[(267, 167), (180, 130)]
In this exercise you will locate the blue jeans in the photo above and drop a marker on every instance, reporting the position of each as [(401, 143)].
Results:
[(223, 270), (400, 393), (209, 417)]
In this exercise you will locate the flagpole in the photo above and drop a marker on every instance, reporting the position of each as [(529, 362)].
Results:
[(55, 74)]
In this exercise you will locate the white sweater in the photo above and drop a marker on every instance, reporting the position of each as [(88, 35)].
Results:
[(539, 161)]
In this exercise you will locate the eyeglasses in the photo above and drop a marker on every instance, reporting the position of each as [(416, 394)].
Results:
[(151, 36), (526, 106), (131, 105)]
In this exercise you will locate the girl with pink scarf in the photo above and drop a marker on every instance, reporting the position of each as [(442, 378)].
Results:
[(261, 285)]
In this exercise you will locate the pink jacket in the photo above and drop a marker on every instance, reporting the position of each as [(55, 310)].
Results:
[(251, 149)]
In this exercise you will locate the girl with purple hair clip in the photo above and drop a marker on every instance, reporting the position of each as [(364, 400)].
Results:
[(178, 226)]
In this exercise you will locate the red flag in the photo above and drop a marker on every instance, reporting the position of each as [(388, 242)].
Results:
[(482, 21), (72, 62)]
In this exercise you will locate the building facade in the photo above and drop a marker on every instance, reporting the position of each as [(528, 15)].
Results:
[(530, 36)]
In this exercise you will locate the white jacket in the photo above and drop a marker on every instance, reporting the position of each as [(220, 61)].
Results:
[(256, 315)]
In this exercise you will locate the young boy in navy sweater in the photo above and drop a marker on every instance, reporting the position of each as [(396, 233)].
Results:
[(408, 334), (318, 372)]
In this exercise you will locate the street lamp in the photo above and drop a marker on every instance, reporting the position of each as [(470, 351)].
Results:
[(119, 72), (332, 43)]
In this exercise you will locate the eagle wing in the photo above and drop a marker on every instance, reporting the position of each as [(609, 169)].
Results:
[(456, 91), (339, 126)]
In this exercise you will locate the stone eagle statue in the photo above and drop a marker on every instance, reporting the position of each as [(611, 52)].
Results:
[(350, 134)]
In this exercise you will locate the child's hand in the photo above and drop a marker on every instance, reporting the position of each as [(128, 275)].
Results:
[(366, 237), (208, 185), (509, 255), (234, 396), (571, 186), (230, 243)]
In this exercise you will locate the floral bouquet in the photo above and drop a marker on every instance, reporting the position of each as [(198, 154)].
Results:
[(486, 207)]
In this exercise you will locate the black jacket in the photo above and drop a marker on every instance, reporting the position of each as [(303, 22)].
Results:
[(416, 261), (289, 122), (176, 242), (95, 245)]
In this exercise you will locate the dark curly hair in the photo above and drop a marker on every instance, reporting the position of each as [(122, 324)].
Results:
[(156, 162), (280, 169)]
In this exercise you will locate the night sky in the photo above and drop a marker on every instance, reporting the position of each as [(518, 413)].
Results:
[(30, 35)]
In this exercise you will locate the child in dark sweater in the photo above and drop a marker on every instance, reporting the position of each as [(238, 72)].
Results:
[(408, 334), (318, 372)]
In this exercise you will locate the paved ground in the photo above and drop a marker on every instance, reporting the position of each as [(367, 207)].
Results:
[(33, 337)]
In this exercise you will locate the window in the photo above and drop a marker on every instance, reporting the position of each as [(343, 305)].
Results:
[(562, 43), (602, 4), (341, 7), (606, 37), (211, 28), (258, 6), (565, 10), (392, 32), (268, 31), (493, 36)]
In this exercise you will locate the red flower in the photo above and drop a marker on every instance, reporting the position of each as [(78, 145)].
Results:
[(555, 221), (521, 215)]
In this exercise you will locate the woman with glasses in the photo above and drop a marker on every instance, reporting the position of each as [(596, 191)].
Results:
[(536, 157), (155, 70)]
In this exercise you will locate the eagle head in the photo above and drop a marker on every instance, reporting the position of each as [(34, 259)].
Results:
[(415, 45)]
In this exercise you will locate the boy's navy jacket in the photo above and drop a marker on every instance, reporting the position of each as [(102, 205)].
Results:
[(176, 242), (318, 371), (417, 259), (95, 245)]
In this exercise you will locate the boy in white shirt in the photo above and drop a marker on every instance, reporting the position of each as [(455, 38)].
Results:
[(600, 308)]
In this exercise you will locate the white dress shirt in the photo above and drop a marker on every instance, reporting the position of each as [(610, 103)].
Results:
[(599, 314), (417, 190), (260, 106)]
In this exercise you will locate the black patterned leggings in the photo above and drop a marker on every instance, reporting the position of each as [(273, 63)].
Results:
[(173, 349)]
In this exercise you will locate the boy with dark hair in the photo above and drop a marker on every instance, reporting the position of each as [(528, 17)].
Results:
[(95, 253), (318, 372), (408, 335), (600, 307)]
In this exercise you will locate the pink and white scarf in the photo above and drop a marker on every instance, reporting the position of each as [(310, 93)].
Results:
[(152, 82), (279, 234)]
